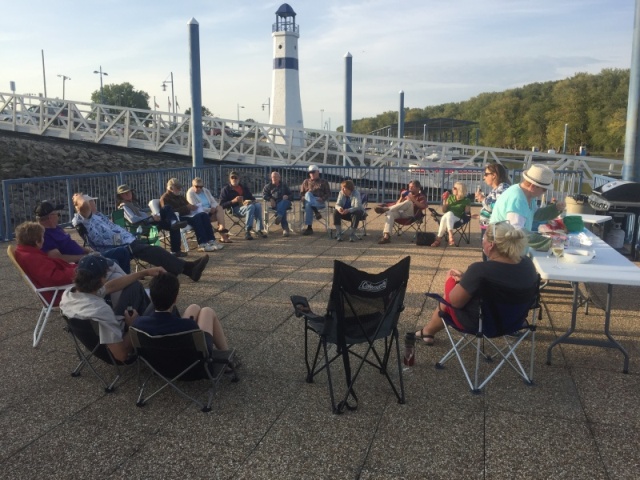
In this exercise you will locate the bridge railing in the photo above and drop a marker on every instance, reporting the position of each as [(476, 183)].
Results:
[(21, 196)]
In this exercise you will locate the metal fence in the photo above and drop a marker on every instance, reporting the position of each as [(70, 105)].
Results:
[(21, 196)]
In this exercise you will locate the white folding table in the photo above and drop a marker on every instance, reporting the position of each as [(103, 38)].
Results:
[(608, 267)]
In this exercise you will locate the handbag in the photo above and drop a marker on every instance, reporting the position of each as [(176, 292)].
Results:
[(425, 238)]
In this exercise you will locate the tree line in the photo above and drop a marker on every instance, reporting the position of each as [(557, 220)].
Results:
[(594, 107)]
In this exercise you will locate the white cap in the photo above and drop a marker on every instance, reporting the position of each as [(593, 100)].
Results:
[(88, 197), (313, 168)]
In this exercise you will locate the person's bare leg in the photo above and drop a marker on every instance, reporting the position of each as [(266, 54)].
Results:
[(432, 327), (208, 322), (220, 219)]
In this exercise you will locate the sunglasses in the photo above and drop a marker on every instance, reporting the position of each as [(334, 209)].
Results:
[(233, 178), (199, 186), (486, 174)]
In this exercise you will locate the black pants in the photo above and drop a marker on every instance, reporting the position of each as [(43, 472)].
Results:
[(354, 217), (157, 256)]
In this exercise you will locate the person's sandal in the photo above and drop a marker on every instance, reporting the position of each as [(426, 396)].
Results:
[(436, 243), (452, 242), (428, 340)]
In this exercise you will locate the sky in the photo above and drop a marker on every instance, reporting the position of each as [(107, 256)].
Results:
[(436, 51)]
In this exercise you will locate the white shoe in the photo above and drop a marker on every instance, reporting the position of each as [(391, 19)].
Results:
[(285, 233), (205, 247)]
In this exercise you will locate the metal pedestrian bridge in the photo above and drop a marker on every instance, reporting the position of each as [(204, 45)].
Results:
[(258, 144)]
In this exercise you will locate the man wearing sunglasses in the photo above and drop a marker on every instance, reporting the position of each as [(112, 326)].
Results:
[(59, 244)]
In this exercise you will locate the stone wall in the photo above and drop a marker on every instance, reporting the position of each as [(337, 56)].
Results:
[(28, 156)]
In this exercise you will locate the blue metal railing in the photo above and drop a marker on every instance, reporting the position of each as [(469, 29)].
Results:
[(21, 196)]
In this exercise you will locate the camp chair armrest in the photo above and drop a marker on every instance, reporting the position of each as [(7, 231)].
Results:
[(439, 298), (53, 289)]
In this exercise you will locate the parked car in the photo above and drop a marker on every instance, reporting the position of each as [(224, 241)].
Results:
[(215, 132)]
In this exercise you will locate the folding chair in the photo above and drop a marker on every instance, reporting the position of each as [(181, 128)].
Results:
[(180, 356), (48, 304), (416, 223), (145, 233), (364, 308), (237, 221), (187, 233), (503, 312), (324, 221), (86, 338), (359, 232), (269, 215), (461, 229)]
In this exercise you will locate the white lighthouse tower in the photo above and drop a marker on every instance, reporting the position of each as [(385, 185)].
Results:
[(286, 108)]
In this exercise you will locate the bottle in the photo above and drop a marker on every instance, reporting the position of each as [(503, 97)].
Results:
[(139, 230), (410, 349)]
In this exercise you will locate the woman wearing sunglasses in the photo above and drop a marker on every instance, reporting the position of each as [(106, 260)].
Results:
[(454, 207), (496, 178)]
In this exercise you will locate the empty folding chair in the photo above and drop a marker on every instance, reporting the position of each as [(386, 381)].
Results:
[(504, 312), (362, 314), (48, 296), (86, 339), (180, 356), (461, 229)]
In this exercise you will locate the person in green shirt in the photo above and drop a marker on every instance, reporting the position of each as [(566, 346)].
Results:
[(454, 207)]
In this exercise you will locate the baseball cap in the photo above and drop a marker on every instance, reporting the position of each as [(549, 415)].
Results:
[(95, 265), (45, 207), (313, 168)]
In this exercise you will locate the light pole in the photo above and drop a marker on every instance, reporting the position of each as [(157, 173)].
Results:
[(424, 132), (173, 98), (101, 73), (268, 104), (321, 117), (239, 107), (564, 143), (64, 79)]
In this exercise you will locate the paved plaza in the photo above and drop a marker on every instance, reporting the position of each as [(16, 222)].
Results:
[(580, 419)]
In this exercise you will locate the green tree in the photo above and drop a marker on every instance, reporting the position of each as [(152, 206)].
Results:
[(205, 112), (123, 95)]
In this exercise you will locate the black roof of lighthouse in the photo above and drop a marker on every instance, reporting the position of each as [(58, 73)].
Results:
[(285, 10)]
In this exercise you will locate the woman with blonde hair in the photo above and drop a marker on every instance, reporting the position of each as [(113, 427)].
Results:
[(504, 247), (454, 207)]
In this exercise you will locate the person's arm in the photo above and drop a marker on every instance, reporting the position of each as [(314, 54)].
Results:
[(304, 186), (459, 297), (55, 253), (266, 192), (131, 216), (356, 202), (325, 191), (192, 196), (121, 350), (246, 193), (119, 283), (516, 221), (420, 201), (286, 192), (212, 201)]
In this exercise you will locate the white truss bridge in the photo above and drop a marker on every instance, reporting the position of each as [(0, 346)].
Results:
[(261, 144)]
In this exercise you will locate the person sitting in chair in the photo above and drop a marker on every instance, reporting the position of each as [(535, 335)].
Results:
[(348, 207), (192, 214), (164, 290), (279, 197), (410, 203), (138, 215), (316, 192), (86, 301), (59, 244), (504, 247), (239, 198), (200, 196), (454, 207)]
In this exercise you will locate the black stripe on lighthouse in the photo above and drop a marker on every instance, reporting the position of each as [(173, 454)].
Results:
[(289, 63)]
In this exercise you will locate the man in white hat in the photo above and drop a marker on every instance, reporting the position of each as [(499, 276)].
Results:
[(518, 204), (316, 192)]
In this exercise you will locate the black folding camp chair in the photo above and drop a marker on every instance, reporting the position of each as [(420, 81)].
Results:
[(181, 356), (504, 313), (461, 229), (86, 338), (363, 309)]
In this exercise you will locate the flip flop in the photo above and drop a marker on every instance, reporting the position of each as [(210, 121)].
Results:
[(428, 340), (222, 240)]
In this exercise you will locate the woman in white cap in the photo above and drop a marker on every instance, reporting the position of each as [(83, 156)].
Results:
[(518, 204)]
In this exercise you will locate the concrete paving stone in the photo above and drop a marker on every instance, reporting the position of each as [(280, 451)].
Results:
[(532, 446), (621, 444), (266, 318)]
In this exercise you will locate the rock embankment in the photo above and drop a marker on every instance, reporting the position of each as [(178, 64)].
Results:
[(29, 156)]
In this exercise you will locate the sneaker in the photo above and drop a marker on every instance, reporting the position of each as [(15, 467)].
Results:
[(215, 245), (178, 225), (262, 234), (308, 231), (205, 247), (384, 240), (339, 235), (318, 216), (179, 254), (278, 219), (381, 210), (247, 236), (197, 268), (353, 237), (285, 233)]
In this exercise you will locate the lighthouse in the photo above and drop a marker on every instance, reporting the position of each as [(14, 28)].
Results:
[(286, 108)]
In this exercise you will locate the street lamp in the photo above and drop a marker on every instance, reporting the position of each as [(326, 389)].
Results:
[(424, 132), (164, 89), (101, 73), (564, 143), (64, 79), (268, 104), (239, 107), (321, 117)]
